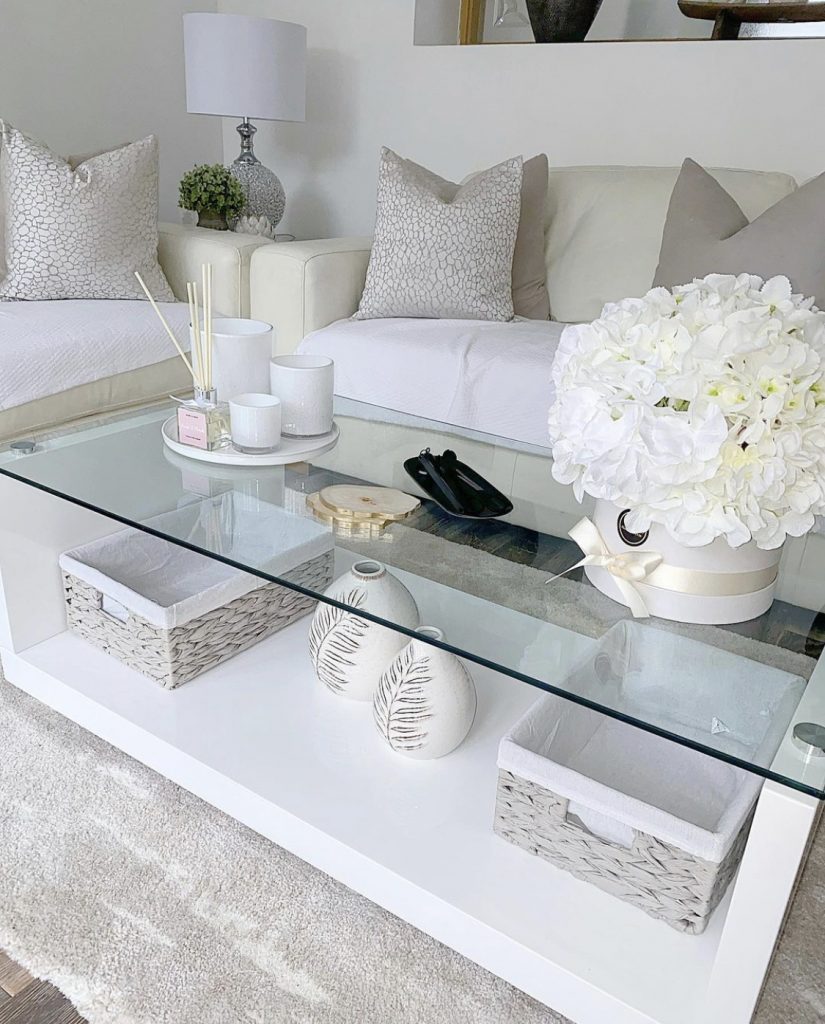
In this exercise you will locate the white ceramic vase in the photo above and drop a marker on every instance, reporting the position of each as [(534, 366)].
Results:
[(305, 385), (712, 584), (240, 356), (349, 652), (426, 701)]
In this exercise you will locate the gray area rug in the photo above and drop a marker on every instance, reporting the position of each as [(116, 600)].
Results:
[(146, 906)]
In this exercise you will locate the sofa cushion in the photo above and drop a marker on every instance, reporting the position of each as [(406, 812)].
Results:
[(47, 348), (80, 232), (707, 233), (490, 377), (124, 390), (605, 228)]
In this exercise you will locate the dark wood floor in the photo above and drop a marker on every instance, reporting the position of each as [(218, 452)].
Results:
[(25, 1000)]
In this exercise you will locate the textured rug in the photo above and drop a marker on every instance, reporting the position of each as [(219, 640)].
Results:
[(146, 906)]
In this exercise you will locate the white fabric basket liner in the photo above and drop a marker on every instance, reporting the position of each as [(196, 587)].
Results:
[(168, 585), (619, 779)]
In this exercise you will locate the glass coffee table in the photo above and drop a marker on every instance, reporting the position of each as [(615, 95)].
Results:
[(261, 739)]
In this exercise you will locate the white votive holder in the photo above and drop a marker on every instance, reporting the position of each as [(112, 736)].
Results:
[(255, 422), (305, 386), (241, 350)]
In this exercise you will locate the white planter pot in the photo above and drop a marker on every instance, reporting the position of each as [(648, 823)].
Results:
[(349, 652), (426, 700), (712, 584)]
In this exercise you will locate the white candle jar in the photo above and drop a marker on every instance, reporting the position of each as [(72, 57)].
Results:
[(305, 386), (255, 422), (241, 350)]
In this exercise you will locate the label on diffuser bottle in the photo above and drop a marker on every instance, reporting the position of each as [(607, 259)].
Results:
[(192, 427)]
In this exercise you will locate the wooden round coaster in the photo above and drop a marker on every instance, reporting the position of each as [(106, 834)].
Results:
[(345, 524), (368, 502)]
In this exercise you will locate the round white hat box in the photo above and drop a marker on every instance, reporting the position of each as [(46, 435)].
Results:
[(426, 700), (349, 652), (713, 584)]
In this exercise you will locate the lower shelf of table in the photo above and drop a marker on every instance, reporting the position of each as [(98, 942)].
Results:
[(262, 740)]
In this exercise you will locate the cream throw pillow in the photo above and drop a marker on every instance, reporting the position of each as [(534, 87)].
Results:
[(80, 232), (443, 250)]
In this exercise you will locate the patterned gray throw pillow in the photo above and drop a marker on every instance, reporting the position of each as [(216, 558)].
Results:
[(443, 250), (80, 232)]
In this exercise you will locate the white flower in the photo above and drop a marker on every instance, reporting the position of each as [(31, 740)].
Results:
[(702, 409)]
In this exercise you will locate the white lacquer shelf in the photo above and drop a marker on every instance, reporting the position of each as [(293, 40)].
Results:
[(262, 740)]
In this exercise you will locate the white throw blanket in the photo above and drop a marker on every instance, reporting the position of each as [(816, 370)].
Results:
[(490, 377), (49, 347)]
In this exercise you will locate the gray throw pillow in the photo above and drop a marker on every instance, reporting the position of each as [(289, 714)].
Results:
[(707, 233), (443, 250), (80, 232), (530, 296)]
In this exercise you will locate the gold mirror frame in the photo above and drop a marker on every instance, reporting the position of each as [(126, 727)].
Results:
[(471, 22)]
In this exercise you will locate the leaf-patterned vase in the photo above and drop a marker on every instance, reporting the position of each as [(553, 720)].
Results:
[(350, 653), (426, 701)]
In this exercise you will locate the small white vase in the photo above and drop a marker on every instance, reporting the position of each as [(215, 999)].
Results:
[(349, 652), (426, 700), (712, 584)]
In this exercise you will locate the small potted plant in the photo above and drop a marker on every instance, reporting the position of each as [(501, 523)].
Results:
[(214, 194)]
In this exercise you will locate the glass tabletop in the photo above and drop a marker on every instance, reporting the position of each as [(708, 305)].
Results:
[(730, 692)]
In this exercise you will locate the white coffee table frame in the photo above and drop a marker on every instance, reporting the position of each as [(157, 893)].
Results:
[(569, 945)]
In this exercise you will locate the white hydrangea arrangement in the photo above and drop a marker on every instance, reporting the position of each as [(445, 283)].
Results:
[(702, 409)]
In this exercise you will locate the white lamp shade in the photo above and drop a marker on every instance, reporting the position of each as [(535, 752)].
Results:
[(239, 66)]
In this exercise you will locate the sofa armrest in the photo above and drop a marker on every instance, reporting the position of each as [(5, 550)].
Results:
[(300, 287), (182, 250)]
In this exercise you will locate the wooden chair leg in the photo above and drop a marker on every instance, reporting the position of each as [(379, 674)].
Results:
[(726, 26)]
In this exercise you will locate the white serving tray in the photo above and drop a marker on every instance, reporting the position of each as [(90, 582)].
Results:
[(291, 449)]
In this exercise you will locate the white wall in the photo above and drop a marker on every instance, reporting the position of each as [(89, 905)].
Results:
[(86, 75), (747, 104)]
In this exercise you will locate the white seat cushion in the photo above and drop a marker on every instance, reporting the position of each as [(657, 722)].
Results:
[(604, 229), (490, 377), (50, 347)]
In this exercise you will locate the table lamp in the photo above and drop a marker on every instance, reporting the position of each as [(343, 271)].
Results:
[(238, 66)]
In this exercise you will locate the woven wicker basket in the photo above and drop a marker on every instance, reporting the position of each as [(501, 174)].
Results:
[(659, 878), (172, 613), (656, 824), (174, 656)]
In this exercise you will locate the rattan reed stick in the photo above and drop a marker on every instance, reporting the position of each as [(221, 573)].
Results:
[(166, 326), (192, 296)]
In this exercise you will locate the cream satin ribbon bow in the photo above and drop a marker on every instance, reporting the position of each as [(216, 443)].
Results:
[(627, 568)]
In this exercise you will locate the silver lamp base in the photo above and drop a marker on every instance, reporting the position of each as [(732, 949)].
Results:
[(265, 196)]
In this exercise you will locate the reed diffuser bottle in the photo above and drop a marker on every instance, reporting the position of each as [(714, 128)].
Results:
[(203, 422)]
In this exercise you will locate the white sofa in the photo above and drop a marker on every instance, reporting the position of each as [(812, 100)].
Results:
[(603, 231), (66, 360)]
